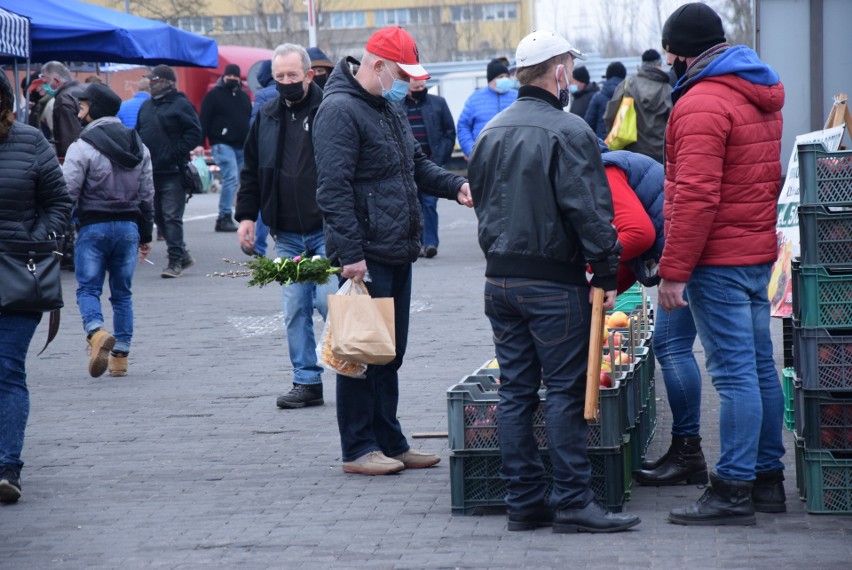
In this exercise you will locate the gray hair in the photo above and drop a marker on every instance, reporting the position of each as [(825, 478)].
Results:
[(285, 49), (57, 69)]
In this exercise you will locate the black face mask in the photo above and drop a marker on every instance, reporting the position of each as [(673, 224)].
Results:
[(679, 67), (564, 97), (320, 80), (233, 84), (291, 92), (419, 96)]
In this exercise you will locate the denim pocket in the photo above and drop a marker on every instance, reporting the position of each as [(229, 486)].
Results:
[(549, 316)]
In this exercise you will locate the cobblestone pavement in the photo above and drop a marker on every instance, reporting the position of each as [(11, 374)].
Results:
[(188, 463)]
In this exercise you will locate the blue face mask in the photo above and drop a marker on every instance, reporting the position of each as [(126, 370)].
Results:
[(398, 90), (49, 89), (573, 89), (503, 84)]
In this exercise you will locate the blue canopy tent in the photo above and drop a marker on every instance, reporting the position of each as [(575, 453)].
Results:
[(69, 30), (15, 43)]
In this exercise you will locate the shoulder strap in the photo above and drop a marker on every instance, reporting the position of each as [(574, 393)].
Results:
[(52, 329)]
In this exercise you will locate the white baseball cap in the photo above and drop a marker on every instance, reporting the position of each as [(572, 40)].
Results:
[(540, 46)]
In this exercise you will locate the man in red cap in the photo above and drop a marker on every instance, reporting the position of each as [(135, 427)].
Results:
[(369, 167)]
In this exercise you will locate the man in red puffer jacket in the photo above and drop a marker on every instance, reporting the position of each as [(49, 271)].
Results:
[(723, 177)]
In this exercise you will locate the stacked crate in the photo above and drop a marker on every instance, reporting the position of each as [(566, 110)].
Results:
[(822, 331), (615, 442)]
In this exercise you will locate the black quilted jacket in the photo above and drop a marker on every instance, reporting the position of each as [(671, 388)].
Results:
[(369, 168), (30, 178)]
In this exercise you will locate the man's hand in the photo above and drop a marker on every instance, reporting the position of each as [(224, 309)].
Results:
[(144, 250), (609, 299), (670, 295), (355, 271), (245, 233), (464, 198)]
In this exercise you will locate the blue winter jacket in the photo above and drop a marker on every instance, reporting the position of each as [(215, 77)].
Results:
[(129, 110), (480, 108), (646, 177), (597, 107)]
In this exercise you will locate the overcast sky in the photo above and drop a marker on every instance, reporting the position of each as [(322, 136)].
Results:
[(584, 22)]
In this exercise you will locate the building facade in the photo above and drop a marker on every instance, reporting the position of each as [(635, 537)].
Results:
[(445, 30)]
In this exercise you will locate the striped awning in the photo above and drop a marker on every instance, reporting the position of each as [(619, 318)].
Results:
[(14, 34)]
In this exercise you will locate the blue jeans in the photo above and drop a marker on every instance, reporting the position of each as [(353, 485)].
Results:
[(731, 311), (109, 247), (366, 408), (541, 334), (261, 232), (230, 161), (16, 332), (429, 205), (169, 206), (298, 302), (674, 337)]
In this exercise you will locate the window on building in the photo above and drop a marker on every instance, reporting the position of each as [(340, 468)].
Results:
[(403, 16), (278, 22), (348, 19), (238, 24), (202, 25), (478, 12)]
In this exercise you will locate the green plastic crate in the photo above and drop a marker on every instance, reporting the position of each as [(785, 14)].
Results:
[(799, 445), (475, 479), (788, 377), (823, 298), (828, 483)]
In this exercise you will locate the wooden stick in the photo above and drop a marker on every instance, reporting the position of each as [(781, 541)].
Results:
[(593, 372)]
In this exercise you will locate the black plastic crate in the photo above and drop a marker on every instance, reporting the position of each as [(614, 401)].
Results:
[(472, 416), (475, 479), (825, 235), (787, 341), (801, 486), (823, 358), (824, 177), (827, 422)]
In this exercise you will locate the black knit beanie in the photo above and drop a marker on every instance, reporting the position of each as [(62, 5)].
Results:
[(495, 68), (692, 29), (581, 74)]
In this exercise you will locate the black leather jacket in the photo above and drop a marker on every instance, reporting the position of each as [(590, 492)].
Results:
[(541, 195)]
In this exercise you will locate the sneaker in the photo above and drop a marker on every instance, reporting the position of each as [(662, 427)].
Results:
[(430, 251), (416, 460), (173, 270), (186, 261), (100, 343), (373, 463), (300, 396), (10, 484), (118, 364), (226, 225)]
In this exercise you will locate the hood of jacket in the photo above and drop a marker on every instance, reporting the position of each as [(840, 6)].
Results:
[(653, 73), (760, 83), (342, 81), (118, 143)]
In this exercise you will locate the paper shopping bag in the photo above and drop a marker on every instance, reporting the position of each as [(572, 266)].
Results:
[(624, 131), (363, 326)]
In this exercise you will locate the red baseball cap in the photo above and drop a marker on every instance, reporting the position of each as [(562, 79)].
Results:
[(396, 45)]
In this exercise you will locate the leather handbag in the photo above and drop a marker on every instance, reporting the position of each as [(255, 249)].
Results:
[(30, 277)]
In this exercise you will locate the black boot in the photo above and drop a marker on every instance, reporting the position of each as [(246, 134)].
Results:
[(725, 502), (10, 484), (541, 515), (651, 465), (684, 463), (768, 493), (226, 225), (302, 395)]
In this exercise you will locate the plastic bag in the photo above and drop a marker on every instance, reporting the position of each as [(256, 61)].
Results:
[(325, 356), (624, 131)]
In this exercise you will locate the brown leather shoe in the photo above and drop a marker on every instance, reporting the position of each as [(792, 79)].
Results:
[(373, 463), (416, 460)]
